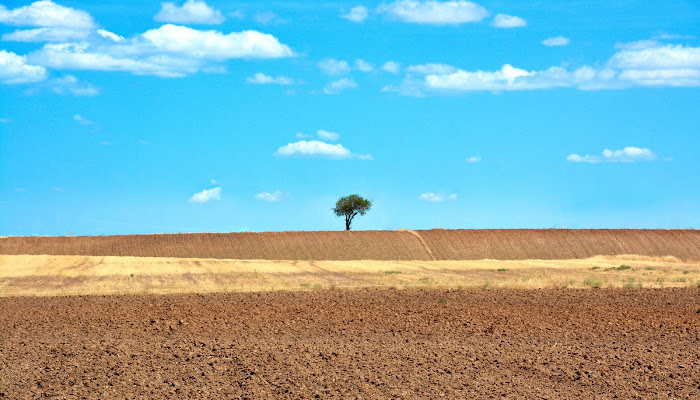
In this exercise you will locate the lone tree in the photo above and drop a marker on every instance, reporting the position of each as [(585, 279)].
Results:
[(349, 206)]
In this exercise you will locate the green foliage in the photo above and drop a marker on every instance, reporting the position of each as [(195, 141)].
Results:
[(442, 301), (592, 282), (502, 270), (350, 206)]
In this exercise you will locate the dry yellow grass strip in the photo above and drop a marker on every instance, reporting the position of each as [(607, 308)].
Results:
[(26, 275)]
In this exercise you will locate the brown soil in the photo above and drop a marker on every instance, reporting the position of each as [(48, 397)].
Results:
[(637, 343), (436, 244)]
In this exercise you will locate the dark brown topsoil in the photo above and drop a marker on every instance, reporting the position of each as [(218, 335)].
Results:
[(638, 343)]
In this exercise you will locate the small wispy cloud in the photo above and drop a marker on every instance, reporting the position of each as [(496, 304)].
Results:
[(262, 79), (332, 66), (206, 195), (5, 120), (437, 198), (363, 65), (508, 21), (191, 12), (319, 149), (626, 155), (556, 41), (271, 197), (268, 18), (356, 14), (82, 120), (340, 85), (326, 135), (473, 159), (392, 67)]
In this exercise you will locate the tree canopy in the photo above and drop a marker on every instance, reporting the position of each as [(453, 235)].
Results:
[(350, 206)]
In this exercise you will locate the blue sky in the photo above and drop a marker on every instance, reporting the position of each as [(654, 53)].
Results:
[(223, 116)]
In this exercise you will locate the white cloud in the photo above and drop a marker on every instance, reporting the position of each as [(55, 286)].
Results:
[(508, 21), (46, 14), (436, 198), (429, 196), (637, 64), (626, 155), (214, 44), (213, 182), (356, 14), (206, 195), (338, 86), (262, 79), (109, 35), (326, 135), (315, 148), (556, 41), (331, 66), (434, 12), (267, 196), (45, 35), (5, 121), (168, 51), (431, 69), (71, 85), (363, 65), (82, 120), (473, 159), (268, 17), (191, 12), (14, 69), (302, 135), (392, 67), (657, 57)]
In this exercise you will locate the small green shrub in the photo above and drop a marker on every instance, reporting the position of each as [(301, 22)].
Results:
[(686, 272), (132, 275), (305, 284), (623, 267), (593, 283), (502, 270), (441, 301), (595, 267), (391, 272)]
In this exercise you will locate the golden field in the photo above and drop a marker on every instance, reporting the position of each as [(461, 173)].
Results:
[(49, 275)]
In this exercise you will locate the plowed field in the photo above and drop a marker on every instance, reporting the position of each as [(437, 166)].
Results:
[(551, 344), (436, 244)]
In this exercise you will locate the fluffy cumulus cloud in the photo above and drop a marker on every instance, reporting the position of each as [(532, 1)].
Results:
[(556, 41), (638, 64), (434, 12), (339, 85), (626, 155), (319, 149), (271, 197), (508, 21), (326, 135), (206, 195), (14, 69), (168, 51), (46, 13), (262, 79), (356, 14), (331, 66), (191, 12)]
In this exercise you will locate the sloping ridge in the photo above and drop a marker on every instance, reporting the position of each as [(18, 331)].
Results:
[(436, 244)]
